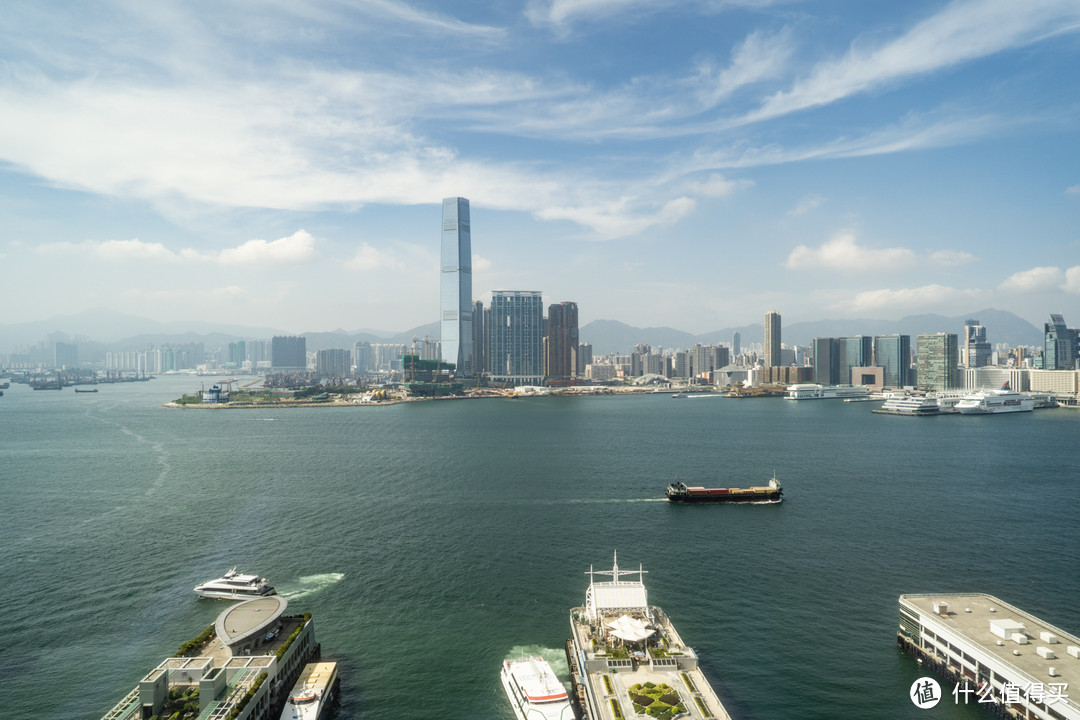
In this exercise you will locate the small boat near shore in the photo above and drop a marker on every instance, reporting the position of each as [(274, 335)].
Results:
[(771, 493)]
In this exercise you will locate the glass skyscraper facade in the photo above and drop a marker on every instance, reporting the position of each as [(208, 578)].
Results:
[(826, 357), (1060, 345), (893, 354), (456, 289), (516, 337), (562, 340)]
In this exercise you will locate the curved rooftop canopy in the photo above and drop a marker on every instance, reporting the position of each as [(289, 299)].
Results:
[(244, 620)]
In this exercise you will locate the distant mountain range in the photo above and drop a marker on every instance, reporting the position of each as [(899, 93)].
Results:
[(114, 331), (611, 336)]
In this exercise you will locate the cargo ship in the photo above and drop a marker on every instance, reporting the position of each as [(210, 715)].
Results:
[(771, 493)]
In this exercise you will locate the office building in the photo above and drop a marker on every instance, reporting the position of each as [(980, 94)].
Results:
[(995, 655), (65, 355), (937, 362), (826, 361), (1059, 345), (562, 341), (892, 353), (736, 343), (516, 338), (772, 339), (976, 348), (288, 353), (480, 344), (363, 357), (237, 353), (852, 352), (456, 289)]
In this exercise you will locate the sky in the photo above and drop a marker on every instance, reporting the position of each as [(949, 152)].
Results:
[(690, 164)]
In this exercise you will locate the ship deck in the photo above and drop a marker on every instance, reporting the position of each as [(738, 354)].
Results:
[(609, 678)]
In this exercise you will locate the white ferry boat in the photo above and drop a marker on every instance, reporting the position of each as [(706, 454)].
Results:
[(534, 690), (810, 391), (625, 655), (313, 695), (1002, 400), (235, 586)]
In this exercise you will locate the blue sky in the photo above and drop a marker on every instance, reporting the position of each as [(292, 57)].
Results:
[(691, 164)]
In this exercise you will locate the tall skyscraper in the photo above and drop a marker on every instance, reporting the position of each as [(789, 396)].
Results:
[(1060, 345), (562, 340), (976, 348), (456, 290), (854, 351), (772, 339), (480, 344), (826, 359), (938, 362), (288, 353), (893, 353), (736, 343), (516, 338)]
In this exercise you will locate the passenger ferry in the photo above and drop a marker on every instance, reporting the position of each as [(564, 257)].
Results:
[(235, 586), (625, 656), (314, 694), (1002, 400), (534, 690), (810, 391)]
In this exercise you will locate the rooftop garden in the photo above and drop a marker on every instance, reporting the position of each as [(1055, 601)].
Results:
[(659, 701)]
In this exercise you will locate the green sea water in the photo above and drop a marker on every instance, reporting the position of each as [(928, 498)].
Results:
[(432, 540)]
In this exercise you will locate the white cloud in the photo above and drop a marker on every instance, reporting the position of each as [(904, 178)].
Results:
[(964, 30), (369, 258), (927, 297), (717, 186), (842, 252), (1072, 190), (1072, 280), (951, 258), (805, 205), (480, 263), (617, 218), (294, 249), (1044, 279)]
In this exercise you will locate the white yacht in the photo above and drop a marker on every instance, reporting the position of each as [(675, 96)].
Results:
[(1002, 400), (313, 695), (235, 586), (534, 690)]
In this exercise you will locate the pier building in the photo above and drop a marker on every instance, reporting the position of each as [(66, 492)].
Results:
[(248, 667), (1010, 659)]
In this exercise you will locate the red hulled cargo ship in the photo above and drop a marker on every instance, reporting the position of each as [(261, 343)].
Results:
[(771, 493)]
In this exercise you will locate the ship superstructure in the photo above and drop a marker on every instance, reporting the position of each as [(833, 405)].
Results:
[(626, 655)]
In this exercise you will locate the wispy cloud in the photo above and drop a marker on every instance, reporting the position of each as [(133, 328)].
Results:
[(292, 250), (561, 13), (842, 252), (805, 205), (1072, 190), (964, 30)]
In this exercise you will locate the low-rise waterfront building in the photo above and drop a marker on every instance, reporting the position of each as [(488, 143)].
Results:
[(1010, 659), (244, 672)]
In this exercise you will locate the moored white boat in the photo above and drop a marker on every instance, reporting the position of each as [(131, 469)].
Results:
[(1002, 400), (534, 690), (313, 694), (235, 586)]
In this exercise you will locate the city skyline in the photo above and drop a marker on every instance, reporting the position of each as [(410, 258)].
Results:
[(674, 164)]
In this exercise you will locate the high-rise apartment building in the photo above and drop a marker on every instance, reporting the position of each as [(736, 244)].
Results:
[(938, 362), (772, 339), (363, 357), (516, 337), (288, 353), (893, 354), (456, 289), (333, 363), (562, 340), (479, 333), (976, 348)]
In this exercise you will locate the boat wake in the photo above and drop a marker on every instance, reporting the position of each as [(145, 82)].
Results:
[(311, 584)]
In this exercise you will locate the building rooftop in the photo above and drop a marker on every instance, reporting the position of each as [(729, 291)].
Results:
[(1010, 635), (247, 619)]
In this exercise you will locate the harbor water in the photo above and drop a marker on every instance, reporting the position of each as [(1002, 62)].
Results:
[(432, 540)]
